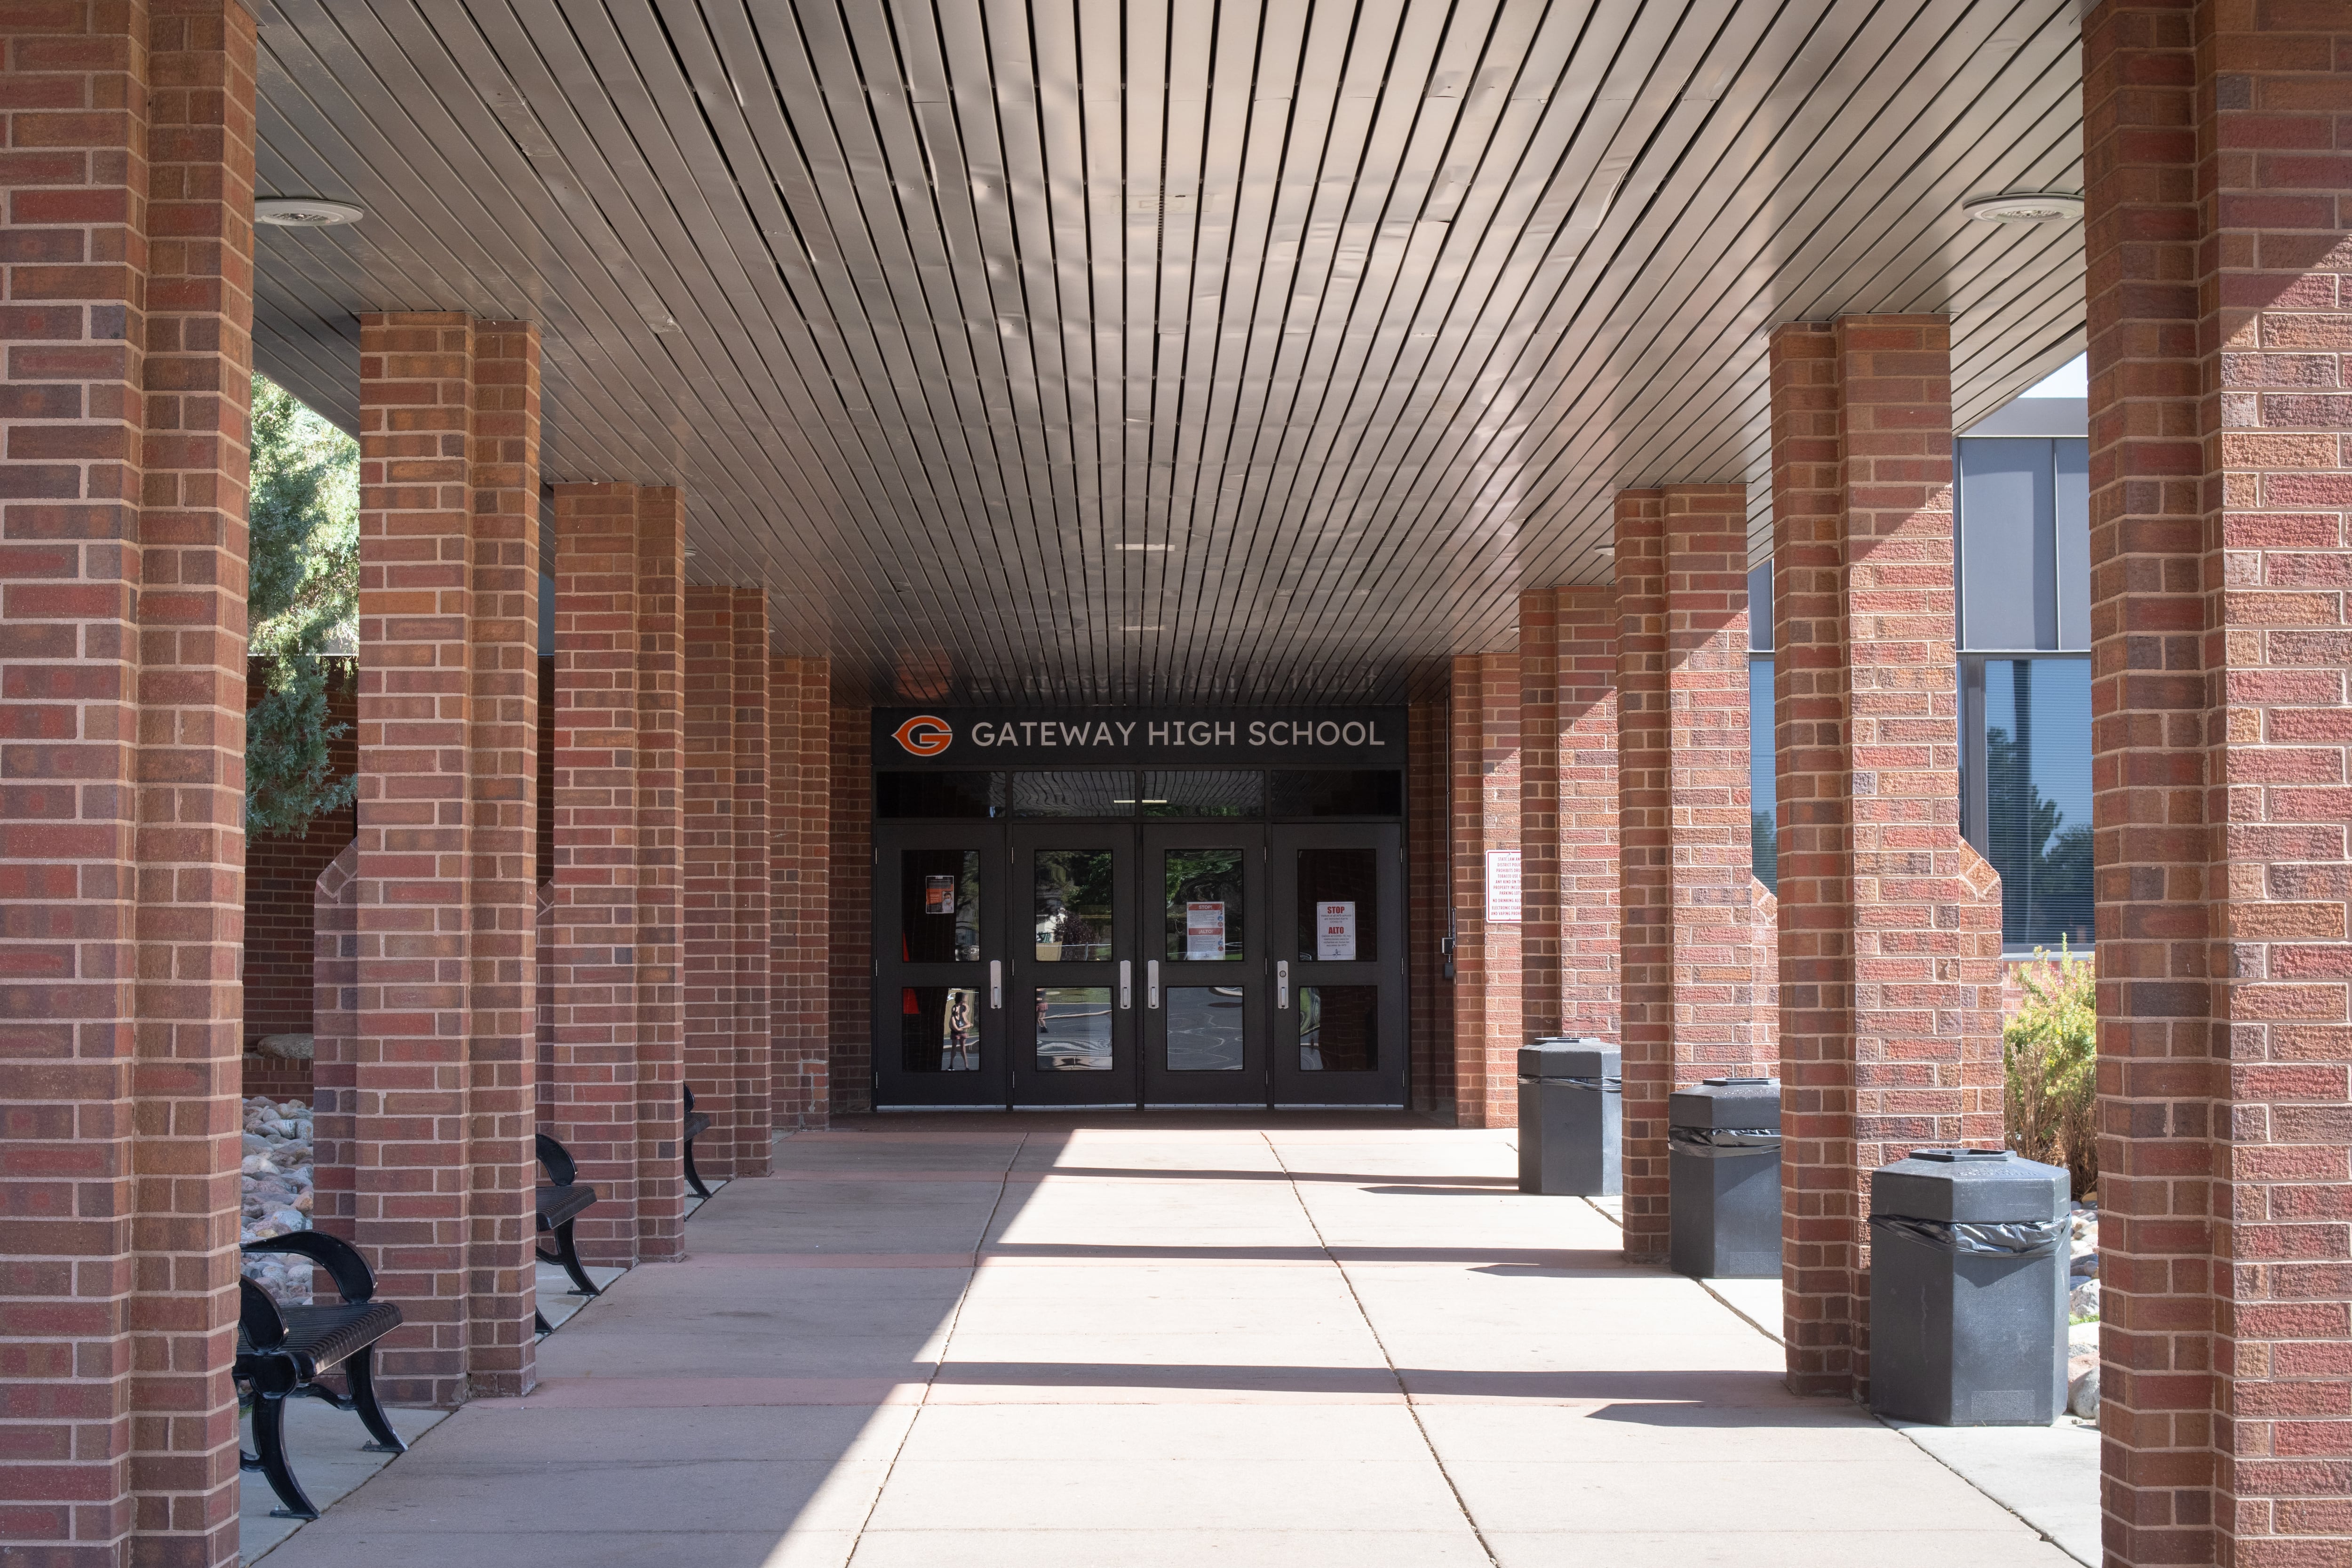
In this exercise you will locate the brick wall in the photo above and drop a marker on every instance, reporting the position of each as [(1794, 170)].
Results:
[(1539, 805), (661, 875), (281, 878), (1484, 799), (849, 912), (1586, 678), (2218, 241), (1646, 866), (128, 279), (800, 819), (748, 889), (1890, 931)]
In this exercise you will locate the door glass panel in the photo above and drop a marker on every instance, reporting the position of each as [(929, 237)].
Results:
[(939, 794), (938, 906), (1074, 794), (1074, 1028), (1337, 1026), (1204, 905), (1338, 906), (1204, 1029), (1073, 906), (1337, 792), (938, 1028), (1198, 793)]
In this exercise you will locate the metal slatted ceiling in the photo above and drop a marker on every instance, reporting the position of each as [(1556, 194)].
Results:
[(1164, 351)]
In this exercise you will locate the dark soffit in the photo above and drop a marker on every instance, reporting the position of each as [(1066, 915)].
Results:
[(1176, 350)]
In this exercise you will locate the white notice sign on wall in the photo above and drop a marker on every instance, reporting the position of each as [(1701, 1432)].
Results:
[(1204, 930), (1503, 887), (1335, 932)]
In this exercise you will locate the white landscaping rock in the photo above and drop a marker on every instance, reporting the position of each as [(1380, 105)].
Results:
[(2084, 1302), (2082, 1393), (276, 1188)]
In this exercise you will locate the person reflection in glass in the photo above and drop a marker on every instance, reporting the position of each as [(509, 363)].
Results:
[(962, 1048)]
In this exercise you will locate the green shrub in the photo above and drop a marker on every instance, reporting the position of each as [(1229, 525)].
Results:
[(2050, 1058)]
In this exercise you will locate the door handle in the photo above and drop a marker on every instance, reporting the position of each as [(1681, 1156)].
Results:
[(1151, 984), (1282, 983), (1126, 984), (996, 982)]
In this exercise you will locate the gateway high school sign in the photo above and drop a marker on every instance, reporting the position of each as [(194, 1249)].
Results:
[(1125, 737)]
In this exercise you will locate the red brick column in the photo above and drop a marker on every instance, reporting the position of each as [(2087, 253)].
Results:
[(1539, 808), (849, 912), (713, 972), (1586, 683), (1429, 904), (590, 962), (1487, 1019), (2219, 239), (660, 886), (749, 875), (127, 323), (1890, 929), (439, 1116), (1646, 866), (800, 811)]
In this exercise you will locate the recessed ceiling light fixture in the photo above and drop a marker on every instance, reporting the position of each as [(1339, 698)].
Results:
[(304, 212), (2025, 207), (1149, 629), (1148, 548)]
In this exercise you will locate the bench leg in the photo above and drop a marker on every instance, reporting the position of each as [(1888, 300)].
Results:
[(360, 1369), (539, 1322), (693, 1176), (568, 1256), (269, 1437)]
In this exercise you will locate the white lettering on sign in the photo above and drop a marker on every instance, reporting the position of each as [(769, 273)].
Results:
[(1503, 887), (1278, 734)]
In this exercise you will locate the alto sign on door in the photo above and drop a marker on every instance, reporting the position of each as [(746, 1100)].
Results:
[(1335, 932), (1204, 930)]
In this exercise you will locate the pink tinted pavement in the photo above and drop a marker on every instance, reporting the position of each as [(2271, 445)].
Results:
[(1055, 1342)]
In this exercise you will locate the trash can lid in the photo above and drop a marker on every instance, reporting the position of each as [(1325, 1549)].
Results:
[(1557, 1056), (1969, 1186), (1726, 1102)]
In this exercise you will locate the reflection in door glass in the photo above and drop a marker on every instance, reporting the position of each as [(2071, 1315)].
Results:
[(1073, 906), (1204, 1029), (1074, 794), (1204, 905), (938, 1028), (1198, 792), (1335, 1028), (938, 906), (1074, 1028), (1338, 906)]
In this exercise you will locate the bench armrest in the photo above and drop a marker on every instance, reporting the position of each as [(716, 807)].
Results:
[(557, 1159), (263, 1324), (352, 1279)]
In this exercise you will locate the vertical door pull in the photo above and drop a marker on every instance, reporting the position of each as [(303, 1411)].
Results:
[(1282, 983), (1151, 984), (1126, 984), (996, 982)]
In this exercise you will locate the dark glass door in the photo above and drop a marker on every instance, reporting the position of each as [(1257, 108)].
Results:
[(1203, 941), (1338, 912), (939, 1036), (1071, 977)]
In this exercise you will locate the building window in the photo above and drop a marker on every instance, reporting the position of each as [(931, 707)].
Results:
[(2023, 573), (1764, 838)]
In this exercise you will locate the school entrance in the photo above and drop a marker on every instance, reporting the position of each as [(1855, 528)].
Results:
[(1112, 908)]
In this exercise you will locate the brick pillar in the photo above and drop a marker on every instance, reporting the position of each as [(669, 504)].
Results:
[(1890, 929), (1644, 867), (800, 811), (661, 883), (706, 838), (849, 913), (589, 964), (2219, 239), (439, 1114), (1586, 682), (1485, 821), (1428, 905), (749, 875), (1539, 808), (127, 324)]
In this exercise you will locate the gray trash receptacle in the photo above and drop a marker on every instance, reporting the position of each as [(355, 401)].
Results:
[(1723, 1179), (1968, 1289), (1571, 1108)]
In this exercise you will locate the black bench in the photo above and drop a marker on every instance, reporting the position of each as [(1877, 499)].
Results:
[(281, 1353), (562, 1199), (698, 1122)]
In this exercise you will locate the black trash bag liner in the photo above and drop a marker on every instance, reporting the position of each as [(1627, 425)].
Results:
[(1606, 1085), (1723, 1142), (2012, 1239)]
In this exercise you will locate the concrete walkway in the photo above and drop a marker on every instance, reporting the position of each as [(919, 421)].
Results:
[(1326, 1341)]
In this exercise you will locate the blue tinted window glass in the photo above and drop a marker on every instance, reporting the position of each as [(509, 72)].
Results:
[(1759, 609), (2037, 752), (2008, 545), (1764, 836)]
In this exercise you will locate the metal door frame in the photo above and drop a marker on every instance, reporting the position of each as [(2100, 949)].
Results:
[(894, 1087), (1251, 1086), (1121, 1089), (1386, 1086)]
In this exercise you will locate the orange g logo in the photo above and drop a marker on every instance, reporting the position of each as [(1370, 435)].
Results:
[(924, 736)]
